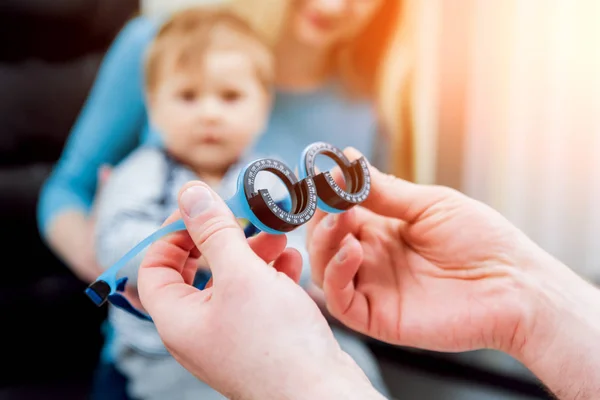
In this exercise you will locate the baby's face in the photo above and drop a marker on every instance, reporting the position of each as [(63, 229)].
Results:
[(209, 117)]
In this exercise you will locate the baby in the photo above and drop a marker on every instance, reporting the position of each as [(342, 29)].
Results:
[(208, 90)]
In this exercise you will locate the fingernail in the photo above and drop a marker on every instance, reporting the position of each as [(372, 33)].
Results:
[(195, 200), (330, 220), (341, 255)]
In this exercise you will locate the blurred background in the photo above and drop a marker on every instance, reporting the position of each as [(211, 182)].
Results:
[(508, 111)]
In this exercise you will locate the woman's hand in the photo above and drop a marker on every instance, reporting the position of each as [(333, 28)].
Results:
[(424, 266), (72, 237), (253, 332)]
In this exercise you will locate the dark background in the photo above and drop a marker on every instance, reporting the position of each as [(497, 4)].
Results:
[(50, 52)]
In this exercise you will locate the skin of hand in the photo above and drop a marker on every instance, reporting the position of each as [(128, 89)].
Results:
[(69, 238), (427, 267), (253, 333)]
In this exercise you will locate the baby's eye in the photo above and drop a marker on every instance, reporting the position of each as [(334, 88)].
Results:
[(231, 95), (188, 95)]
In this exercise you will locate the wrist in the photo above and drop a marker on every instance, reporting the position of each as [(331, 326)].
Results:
[(559, 304), (557, 338), (69, 238), (338, 378)]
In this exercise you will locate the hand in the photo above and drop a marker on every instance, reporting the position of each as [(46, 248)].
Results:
[(268, 247), (86, 265), (70, 238), (423, 266), (253, 331)]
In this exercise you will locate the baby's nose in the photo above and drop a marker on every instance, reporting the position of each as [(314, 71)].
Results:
[(209, 111)]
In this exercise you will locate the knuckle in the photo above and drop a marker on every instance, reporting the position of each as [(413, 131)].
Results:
[(215, 227), (447, 192), (387, 180)]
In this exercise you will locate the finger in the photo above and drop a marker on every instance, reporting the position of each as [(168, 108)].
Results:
[(344, 302), (312, 224), (326, 239), (285, 259), (290, 263), (338, 177), (209, 283), (216, 232), (189, 270), (161, 281), (268, 246), (394, 197)]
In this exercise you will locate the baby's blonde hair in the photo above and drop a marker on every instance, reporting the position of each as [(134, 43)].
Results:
[(183, 41)]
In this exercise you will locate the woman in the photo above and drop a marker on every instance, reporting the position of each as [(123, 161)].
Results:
[(335, 77)]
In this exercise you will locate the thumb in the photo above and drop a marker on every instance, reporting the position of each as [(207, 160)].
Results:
[(394, 197), (215, 231)]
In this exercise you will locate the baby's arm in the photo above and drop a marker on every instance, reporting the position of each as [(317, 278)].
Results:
[(129, 209)]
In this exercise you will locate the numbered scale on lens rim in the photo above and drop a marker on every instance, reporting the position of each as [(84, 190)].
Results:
[(303, 196), (332, 198)]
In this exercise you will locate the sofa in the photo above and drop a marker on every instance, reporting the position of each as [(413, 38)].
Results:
[(50, 54)]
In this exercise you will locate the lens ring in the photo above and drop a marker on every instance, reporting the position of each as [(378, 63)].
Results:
[(302, 193), (356, 175)]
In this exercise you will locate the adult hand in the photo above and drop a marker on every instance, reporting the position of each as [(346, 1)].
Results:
[(427, 267), (254, 333)]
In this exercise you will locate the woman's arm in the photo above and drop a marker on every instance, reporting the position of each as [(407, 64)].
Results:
[(106, 131)]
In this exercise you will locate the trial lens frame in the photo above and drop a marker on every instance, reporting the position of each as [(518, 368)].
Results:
[(309, 191)]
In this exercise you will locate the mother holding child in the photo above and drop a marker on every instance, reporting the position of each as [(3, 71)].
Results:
[(192, 94)]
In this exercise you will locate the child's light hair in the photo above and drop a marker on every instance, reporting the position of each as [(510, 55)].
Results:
[(184, 40), (379, 64)]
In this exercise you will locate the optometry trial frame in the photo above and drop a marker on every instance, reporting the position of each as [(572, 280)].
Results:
[(307, 192)]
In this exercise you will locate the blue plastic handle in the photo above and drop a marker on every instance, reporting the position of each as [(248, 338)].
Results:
[(109, 277)]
